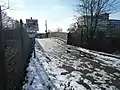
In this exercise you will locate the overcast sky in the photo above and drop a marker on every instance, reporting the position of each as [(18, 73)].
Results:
[(58, 13)]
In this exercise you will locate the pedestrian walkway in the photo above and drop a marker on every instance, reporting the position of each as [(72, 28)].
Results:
[(59, 66), (37, 76)]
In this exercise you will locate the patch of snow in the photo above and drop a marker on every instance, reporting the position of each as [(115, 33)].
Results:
[(54, 55), (111, 61)]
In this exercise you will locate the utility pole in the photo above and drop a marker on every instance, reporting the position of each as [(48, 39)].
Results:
[(34, 42), (3, 77), (46, 29)]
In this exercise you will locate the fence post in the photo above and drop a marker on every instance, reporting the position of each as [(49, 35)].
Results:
[(34, 47), (46, 29), (68, 35), (81, 40), (3, 76), (21, 39)]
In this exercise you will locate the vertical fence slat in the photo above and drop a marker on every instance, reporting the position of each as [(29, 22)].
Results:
[(2, 61)]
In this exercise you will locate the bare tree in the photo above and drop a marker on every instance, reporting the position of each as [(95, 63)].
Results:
[(59, 29), (72, 27), (7, 22), (90, 10)]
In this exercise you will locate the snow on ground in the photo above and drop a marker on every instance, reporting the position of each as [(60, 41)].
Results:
[(111, 61), (68, 68), (60, 81), (37, 78), (63, 67)]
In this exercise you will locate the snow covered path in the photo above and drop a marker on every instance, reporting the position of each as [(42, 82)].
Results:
[(69, 68), (37, 78), (65, 67)]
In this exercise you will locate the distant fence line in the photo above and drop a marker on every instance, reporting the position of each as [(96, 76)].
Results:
[(18, 47), (61, 35), (106, 44)]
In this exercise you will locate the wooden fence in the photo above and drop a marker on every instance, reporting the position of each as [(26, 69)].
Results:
[(106, 44)]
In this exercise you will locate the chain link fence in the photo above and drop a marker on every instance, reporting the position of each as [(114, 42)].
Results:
[(18, 47)]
